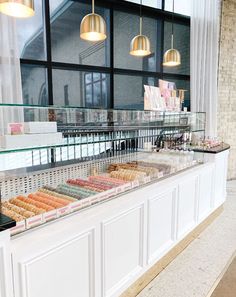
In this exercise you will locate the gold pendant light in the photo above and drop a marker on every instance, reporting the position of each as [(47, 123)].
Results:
[(140, 44), (17, 8), (172, 56), (93, 27)]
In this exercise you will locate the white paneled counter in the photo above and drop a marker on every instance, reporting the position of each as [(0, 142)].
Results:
[(101, 251)]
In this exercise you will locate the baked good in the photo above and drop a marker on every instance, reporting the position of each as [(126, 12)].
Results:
[(19, 210), (36, 203), (11, 214), (53, 192), (27, 206), (45, 201), (53, 198)]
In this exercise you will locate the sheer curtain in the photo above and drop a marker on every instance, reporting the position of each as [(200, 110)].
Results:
[(205, 20), (10, 75)]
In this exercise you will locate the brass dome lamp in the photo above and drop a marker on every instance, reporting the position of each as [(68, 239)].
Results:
[(140, 44), (172, 56), (17, 8), (93, 27)]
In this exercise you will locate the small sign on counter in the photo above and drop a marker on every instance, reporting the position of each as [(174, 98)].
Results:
[(77, 205), (20, 227), (135, 184), (34, 221), (50, 215), (63, 210)]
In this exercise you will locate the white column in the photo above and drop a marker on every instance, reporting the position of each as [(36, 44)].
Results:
[(205, 21)]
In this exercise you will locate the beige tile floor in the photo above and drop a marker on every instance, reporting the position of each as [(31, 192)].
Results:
[(198, 269), (227, 285)]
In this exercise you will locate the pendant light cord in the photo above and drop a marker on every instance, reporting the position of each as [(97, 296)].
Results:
[(141, 19), (92, 6), (172, 26)]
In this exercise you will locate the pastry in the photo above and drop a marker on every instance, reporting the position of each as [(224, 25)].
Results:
[(36, 203)]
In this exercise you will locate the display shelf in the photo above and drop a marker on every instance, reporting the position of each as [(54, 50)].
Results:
[(81, 126), (214, 150), (92, 137), (24, 184), (78, 116), (132, 173), (100, 154)]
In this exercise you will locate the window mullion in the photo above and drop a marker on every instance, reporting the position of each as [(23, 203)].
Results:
[(48, 50)]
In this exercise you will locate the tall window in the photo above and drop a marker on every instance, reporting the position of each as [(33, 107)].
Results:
[(59, 68), (95, 90)]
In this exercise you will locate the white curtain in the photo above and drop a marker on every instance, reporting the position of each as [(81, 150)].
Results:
[(10, 75), (204, 60)]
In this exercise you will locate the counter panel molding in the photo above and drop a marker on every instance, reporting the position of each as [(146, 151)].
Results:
[(66, 270), (187, 202), (220, 177), (161, 224), (122, 249), (205, 193)]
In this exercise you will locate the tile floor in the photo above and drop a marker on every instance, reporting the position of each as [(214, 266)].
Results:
[(197, 270), (227, 285)]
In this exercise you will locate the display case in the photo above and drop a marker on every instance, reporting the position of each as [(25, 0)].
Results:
[(58, 160), (101, 196)]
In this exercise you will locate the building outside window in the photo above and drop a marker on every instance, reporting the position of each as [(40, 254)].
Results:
[(95, 89)]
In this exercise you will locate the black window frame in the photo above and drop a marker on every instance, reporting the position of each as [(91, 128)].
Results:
[(92, 85), (112, 5)]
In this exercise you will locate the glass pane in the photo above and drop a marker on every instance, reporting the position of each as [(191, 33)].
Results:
[(30, 34), (55, 5), (181, 43), (82, 90), (89, 95), (88, 78), (151, 3), (97, 77), (181, 6), (129, 91), (126, 26), (104, 91), (67, 46), (181, 84), (34, 85), (97, 94)]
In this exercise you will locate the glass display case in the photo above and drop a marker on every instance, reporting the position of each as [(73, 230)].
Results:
[(57, 160)]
